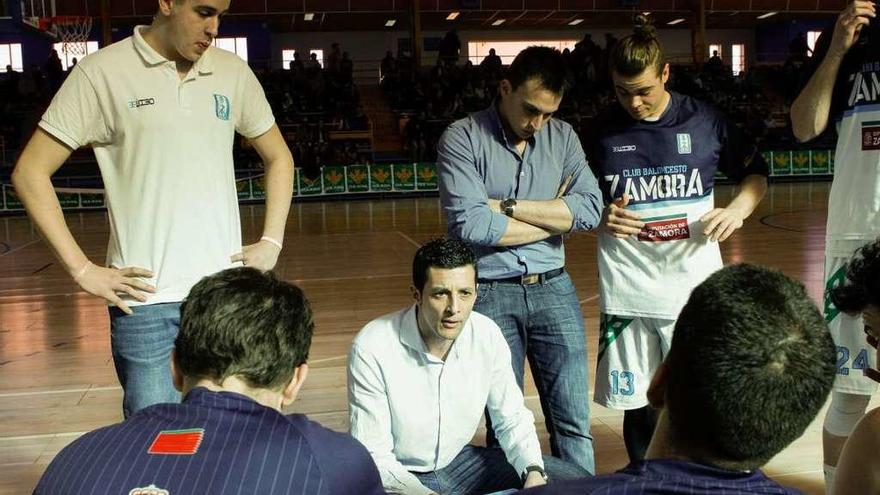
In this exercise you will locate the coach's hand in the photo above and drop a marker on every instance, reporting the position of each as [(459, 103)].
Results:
[(849, 24), (110, 282), (721, 223), (619, 221), (263, 255)]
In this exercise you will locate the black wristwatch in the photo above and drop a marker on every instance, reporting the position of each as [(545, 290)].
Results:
[(507, 206), (536, 469)]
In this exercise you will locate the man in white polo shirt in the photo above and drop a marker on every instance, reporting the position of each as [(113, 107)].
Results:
[(160, 109)]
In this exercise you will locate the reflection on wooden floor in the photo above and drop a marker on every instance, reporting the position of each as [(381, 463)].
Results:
[(353, 260)]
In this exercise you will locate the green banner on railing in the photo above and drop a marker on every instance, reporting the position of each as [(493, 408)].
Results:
[(781, 163), (820, 162), (334, 179), (426, 176), (800, 162), (309, 186), (258, 187), (404, 177), (358, 178), (380, 178)]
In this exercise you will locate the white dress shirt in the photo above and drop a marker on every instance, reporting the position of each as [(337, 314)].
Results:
[(415, 412)]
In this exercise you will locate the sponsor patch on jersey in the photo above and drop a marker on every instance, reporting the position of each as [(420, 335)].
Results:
[(149, 490), (143, 102), (177, 442), (623, 149), (221, 106), (665, 228), (684, 143), (871, 135)]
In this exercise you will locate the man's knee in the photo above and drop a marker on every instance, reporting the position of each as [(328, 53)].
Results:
[(844, 412)]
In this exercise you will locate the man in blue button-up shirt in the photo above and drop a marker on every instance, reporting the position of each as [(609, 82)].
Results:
[(512, 181)]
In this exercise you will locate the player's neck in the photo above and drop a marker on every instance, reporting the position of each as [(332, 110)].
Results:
[(660, 108), (269, 398), (157, 36)]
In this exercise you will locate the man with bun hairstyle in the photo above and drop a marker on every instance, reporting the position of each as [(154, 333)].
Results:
[(656, 159)]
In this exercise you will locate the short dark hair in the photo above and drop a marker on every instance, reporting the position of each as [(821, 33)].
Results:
[(632, 55), (862, 285), (247, 323), (543, 63), (751, 364), (441, 253)]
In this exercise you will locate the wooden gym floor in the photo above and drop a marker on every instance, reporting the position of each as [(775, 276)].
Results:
[(353, 261)]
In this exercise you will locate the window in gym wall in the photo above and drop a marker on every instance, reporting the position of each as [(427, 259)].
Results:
[(74, 52), (738, 58), (507, 50), (237, 46), (287, 56), (812, 38), (10, 54)]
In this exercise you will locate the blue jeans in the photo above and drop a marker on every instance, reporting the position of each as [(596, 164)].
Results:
[(142, 344), (481, 470), (543, 322)]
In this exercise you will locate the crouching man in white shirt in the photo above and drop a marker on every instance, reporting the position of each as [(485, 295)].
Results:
[(419, 379)]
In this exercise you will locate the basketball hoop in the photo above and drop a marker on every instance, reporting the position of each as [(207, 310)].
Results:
[(73, 33)]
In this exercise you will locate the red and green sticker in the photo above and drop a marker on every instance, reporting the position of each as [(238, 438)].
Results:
[(177, 442)]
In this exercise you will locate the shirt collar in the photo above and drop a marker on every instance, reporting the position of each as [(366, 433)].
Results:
[(204, 65)]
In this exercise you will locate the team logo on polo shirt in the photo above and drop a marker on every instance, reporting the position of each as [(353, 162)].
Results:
[(221, 106), (684, 143), (665, 228), (177, 442), (149, 490), (871, 135)]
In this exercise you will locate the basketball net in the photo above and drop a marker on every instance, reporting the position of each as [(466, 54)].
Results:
[(73, 33)]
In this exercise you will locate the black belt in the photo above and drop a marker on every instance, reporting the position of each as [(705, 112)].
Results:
[(534, 278)]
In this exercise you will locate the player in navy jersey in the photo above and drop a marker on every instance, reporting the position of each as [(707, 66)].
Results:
[(240, 357), (751, 364), (656, 158), (844, 90)]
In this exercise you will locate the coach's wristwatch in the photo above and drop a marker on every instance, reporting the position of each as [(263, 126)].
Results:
[(536, 469), (507, 206)]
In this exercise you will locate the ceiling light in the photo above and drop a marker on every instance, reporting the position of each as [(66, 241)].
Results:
[(575, 22), (646, 13), (768, 14), (452, 16), (309, 16), (390, 22), (676, 21), (498, 22)]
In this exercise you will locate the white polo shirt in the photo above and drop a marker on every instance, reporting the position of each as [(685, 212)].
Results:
[(164, 147)]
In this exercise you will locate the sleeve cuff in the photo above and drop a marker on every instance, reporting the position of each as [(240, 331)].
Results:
[(497, 227), (59, 135), (260, 129)]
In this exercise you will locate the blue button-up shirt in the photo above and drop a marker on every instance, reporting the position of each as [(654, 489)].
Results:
[(477, 162)]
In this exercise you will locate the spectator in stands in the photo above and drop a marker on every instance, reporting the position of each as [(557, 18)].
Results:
[(798, 49), (239, 359), (394, 371), (858, 470), (389, 65), (54, 71), (492, 63), (450, 46), (715, 66), (346, 68), (333, 59), (750, 366)]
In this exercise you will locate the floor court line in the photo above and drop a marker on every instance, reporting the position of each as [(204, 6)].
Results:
[(409, 239)]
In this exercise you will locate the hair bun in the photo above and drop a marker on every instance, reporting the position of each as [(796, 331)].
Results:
[(642, 27)]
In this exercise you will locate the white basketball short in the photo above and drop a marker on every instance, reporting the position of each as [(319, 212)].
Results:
[(630, 350), (853, 352)]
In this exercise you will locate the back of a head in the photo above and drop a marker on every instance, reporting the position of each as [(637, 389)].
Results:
[(751, 364), (543, 63), (246, 323), (638, 51), (445, 253), (862, 287)]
